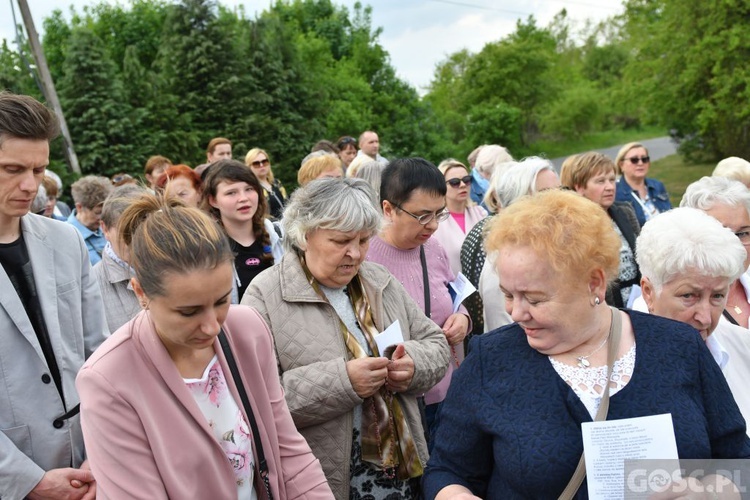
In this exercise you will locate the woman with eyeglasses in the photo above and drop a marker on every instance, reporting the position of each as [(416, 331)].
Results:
[(412, 195), (347, 150), (592, 175), (648, 196), (727, 201), (464, 214), (259, 162)]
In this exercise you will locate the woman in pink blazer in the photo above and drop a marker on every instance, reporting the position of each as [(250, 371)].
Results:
[(162, 415)]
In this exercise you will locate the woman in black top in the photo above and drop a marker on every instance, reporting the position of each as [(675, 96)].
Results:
[(273, 191), (233, 195)]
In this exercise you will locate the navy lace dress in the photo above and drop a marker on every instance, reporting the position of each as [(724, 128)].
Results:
[(510, 427)]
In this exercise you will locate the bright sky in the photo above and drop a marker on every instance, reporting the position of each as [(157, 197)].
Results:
[(418, 34)]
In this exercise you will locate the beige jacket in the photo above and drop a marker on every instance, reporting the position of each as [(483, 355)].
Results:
[(312, 357)]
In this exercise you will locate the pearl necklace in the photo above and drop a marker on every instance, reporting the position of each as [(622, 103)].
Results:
[(583, 361)]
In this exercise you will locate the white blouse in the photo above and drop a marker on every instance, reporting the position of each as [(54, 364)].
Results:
[(227, 423), (588, 383)]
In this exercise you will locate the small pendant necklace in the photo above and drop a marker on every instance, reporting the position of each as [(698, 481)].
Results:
[(737, 309), (583, 361)]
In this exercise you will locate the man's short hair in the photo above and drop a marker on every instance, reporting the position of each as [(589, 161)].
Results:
[(362, 137), (215, 142), (24, 117), (156, 161)]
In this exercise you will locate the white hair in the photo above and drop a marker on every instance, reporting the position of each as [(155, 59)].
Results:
[(372, 172), (707, 192), (52, 175), (517, 179), (356, 164), (733, 168), (490, 157), (340, 204), (39, 202), (687, 239)]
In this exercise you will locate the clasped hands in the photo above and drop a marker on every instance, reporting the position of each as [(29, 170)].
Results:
[(368, 375), (67, 483)]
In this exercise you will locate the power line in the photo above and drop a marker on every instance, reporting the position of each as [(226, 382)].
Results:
[(483, 7), (509, 11)]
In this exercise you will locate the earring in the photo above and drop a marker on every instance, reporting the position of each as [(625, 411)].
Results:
[(597, 301)]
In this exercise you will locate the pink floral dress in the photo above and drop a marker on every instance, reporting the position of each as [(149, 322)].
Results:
[(228, 424)]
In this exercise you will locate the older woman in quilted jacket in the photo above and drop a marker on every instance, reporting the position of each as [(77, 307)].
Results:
[(355, 405)]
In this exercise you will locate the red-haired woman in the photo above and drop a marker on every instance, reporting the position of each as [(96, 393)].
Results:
[(180, 181)]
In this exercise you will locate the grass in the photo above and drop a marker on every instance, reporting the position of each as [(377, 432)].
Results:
[(598, 140), (676, 174)]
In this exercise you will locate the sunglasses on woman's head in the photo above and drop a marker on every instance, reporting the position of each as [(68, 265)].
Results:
[(636, 159), (258, 163), (458, 180)]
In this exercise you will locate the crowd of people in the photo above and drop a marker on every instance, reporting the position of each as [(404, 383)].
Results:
[(204, 333)]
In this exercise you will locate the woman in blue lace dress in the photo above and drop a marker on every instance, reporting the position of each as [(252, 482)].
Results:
[(510, 426)]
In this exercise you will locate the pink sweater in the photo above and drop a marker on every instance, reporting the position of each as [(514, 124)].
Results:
[(407, 268)]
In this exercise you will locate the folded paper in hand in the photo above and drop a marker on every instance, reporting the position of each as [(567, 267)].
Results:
[(389, 339), (459, 290)]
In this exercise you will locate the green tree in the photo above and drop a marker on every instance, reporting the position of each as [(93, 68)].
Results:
[(95, 107), (446, 97), (199, 64), (16, 72), (690, 70)]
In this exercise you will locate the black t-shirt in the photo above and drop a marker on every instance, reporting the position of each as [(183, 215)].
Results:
[(275, 200), (248, 262), (15, 260)]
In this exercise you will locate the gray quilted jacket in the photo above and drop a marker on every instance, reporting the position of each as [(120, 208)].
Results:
[(312, 357)]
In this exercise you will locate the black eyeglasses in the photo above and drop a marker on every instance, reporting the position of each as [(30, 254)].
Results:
[(258, 163), (346, 141), (425, 219), (458, 180), (635, 160)]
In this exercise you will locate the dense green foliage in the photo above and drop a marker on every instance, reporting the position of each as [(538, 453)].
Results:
[(157, 77)]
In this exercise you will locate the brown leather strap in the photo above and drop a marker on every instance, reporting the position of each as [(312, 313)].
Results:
[(614, 342)]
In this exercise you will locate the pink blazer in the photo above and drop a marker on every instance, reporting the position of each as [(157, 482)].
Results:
[(146, 438)]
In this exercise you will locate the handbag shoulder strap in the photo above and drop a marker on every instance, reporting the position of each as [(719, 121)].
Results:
[(425, 280), (729, 317), (615, 330), (262, 464)]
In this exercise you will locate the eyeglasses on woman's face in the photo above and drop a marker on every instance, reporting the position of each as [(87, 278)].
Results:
[(456, 182), (635, 160), (260, 163), (425, 219)]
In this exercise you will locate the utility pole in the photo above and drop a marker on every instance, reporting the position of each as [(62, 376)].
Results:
[(48, 86)]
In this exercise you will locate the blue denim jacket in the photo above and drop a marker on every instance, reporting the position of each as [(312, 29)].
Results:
[(656, 191)]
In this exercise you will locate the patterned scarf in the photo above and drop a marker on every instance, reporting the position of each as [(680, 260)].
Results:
[(387, 441)]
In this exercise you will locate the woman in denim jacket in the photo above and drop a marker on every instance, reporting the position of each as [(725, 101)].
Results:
[(648, 196)]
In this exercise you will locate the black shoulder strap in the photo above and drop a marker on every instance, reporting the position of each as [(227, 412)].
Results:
[(262, 464), (425, 280), (730, 318)]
